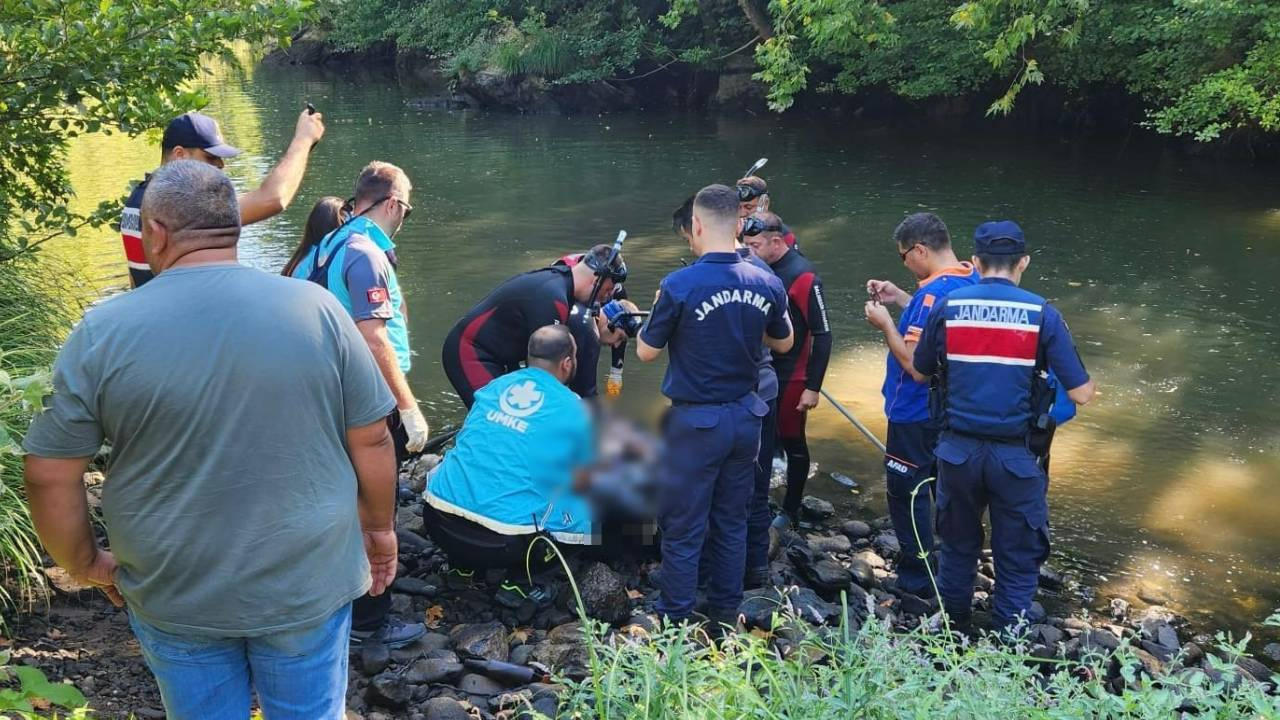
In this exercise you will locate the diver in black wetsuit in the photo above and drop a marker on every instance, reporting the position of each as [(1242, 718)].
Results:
[(590, 338), (492, 338), (802, 369)]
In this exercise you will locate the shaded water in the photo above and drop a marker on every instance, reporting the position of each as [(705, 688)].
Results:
[(1165, 268)]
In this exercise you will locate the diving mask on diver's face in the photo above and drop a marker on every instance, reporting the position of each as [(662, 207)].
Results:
[(615, 271), (753, 226), (747, 193)]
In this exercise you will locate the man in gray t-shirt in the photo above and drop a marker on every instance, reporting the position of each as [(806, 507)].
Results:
[(251, 479)]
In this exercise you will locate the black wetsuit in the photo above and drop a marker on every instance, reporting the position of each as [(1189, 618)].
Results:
[(493, 338), (802, 368)]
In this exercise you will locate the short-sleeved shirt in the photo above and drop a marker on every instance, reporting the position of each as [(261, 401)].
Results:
[(226, 394), (512, 468), (363, 279), (714, 314), (905, 400), (990, 336)]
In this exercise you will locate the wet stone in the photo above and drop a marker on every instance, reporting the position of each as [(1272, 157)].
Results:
[(815, 508), (411, 542), (604, 595), (1272, 651), (855, 529), (409, 519), (829, 543), (433, 670), (486, 640), (886, 543), (475, 684), (445, 708), (1099, 641), (829, 577), (1119, 608), (389, 690), (414, 586), (1050, 579), (872, 560), (374, 658), (862, 573)]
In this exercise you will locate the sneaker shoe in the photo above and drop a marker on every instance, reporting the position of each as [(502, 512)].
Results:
[(394, 633), (459, 579), (512, 595)]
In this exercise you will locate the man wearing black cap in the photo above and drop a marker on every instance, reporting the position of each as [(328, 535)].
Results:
[(989, 348), (195, 136)]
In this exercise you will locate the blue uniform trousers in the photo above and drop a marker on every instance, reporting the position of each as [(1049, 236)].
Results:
[(973, 475), (707, 483), (909, 460), (758, 518)]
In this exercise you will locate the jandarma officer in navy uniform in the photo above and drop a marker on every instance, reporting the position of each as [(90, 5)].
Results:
[(989, 346), (713, 316)]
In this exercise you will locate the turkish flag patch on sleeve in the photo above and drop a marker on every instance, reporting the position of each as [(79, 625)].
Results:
[(377, 295)]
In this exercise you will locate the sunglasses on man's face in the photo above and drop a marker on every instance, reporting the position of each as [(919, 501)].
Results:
[(902, 254), (408, 209)]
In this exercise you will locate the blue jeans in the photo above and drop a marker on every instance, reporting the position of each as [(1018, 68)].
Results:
[(298, 674)]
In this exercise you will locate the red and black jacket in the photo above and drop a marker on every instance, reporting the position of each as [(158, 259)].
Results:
[(807, 360)]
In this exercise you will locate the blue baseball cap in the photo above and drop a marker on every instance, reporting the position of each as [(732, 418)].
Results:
[(999, 237), (195, 130)]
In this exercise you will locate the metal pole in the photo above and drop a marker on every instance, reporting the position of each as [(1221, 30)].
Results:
[(849, 416)]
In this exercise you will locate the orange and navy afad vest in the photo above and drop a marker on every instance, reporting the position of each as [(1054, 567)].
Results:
[(991, 338)]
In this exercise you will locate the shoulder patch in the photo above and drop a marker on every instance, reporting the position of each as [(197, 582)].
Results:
[(376, 295), (928, 300)]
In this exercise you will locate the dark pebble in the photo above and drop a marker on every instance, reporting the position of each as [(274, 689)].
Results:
[(414, 586), (374, 658)]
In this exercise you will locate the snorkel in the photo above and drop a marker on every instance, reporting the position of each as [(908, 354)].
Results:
[(605, 272)]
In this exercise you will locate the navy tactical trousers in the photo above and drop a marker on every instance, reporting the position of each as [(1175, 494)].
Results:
[(706, 491), (758, 517), (976, 474), (909, 460)]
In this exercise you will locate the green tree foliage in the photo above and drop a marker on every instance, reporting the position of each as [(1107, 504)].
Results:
[(1201, 67), (565, 41), (69, 67)]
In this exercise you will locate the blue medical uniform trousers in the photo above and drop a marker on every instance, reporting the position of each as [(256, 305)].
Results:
[(974, 475), (707, 483), (908, 462)]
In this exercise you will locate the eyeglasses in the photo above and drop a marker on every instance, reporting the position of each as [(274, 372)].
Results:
[(351, 204), (903, 254), (408, 209)]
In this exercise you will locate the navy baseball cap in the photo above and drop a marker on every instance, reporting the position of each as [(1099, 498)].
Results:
[(195, 130), (999, 237)]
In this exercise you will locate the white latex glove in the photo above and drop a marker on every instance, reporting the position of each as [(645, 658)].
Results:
[(415, 425)]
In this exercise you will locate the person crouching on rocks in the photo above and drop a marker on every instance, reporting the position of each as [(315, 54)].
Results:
[(518, 470)]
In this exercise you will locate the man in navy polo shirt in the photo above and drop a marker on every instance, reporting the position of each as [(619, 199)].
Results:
[(714, 316), (990, 345), (924, 244), (194, 136)]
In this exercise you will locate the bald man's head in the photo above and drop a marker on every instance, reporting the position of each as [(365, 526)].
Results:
[(552, 348)]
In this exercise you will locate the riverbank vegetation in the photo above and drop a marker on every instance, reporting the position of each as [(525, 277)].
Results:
[(1204, 70), (875, 672)]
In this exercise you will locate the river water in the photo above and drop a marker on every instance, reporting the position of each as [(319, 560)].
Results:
[(1164, 267)]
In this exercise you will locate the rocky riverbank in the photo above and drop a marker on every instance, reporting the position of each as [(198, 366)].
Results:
[(85, 641)]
